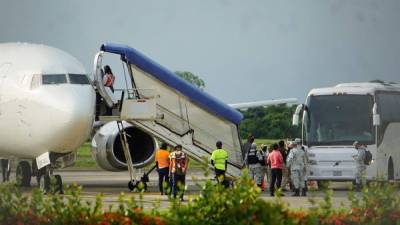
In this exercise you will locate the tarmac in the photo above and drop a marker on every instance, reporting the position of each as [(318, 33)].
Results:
[(112, 184)]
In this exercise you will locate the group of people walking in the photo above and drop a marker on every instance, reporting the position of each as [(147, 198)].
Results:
[(281, 165), (273, 162), (171, 168)]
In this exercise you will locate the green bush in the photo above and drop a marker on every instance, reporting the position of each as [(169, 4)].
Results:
[(377, 204), (239, 205)]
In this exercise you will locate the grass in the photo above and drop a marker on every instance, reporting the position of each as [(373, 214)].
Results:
[(267, 142), (84, 158)]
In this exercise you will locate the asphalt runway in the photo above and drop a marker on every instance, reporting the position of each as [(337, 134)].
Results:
[(112, 184)]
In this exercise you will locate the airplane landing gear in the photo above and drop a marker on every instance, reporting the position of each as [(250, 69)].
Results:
[(141, 185), (44, 182), (48, 182), (6, 169), (58, 184), (23, 174)]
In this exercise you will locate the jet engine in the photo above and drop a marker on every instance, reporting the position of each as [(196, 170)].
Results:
[(108, 152)]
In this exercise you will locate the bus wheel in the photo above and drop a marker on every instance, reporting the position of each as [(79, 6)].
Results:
[(390, 170)]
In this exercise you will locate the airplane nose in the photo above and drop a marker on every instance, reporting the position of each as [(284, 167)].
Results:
[(78, 109)]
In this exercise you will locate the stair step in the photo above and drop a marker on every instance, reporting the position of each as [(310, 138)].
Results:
[(109, 118)]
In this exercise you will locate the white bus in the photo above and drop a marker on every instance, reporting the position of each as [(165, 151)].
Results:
[(335, 117)]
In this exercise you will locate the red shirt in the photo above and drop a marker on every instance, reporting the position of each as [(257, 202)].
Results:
[(108, 80), (275, 159)]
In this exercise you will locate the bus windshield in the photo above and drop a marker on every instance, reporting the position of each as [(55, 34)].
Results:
[(338, 120)]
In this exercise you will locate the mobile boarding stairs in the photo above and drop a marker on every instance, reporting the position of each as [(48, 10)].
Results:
[(160, 103)]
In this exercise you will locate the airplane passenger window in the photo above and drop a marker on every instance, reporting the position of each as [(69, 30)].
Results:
[(78, 79), (54, 79)]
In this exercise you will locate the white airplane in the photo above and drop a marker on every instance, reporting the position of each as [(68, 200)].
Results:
[(47, 108)]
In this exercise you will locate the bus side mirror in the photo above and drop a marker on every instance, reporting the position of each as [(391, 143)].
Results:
[(376, 119), (295, 121)]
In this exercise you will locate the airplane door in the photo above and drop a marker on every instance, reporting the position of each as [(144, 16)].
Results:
[(99, 79)]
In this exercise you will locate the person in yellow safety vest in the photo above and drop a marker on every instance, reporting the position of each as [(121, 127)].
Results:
[(219, 159)]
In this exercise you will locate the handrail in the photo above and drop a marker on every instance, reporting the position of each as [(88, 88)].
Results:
[(145, 93)]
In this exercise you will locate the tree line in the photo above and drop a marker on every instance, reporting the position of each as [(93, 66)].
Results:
[(273, 122)]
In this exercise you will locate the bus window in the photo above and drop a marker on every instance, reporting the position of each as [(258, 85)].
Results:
[(389, 111), (48, 79), (339, 120), (78, 79), (389, 103)]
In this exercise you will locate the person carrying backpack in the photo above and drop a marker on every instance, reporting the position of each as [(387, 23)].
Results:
[(247, 146), (362, 159), (178, 167), (253, 158)]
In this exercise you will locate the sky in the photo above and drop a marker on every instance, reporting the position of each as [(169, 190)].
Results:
[(243, 50)]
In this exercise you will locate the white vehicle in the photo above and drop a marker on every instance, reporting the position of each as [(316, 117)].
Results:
[(46, 109), (335, 117)]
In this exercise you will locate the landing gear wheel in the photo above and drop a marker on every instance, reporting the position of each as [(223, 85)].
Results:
[(390, 170), (6, 170), (23, 174), (142, 186), (131, 185), (56, 184), (44, 183), (138, 186)]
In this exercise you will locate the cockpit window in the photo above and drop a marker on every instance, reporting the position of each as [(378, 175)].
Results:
[(54, 79), (78, 79)]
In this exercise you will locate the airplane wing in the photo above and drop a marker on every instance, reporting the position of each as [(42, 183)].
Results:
[(263, 103)]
